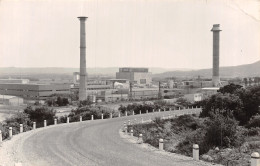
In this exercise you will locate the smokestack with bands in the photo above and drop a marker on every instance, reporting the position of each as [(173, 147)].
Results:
[(215, 70), (82, 81)]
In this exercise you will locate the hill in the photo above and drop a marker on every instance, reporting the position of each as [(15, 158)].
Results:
[(248, 70)]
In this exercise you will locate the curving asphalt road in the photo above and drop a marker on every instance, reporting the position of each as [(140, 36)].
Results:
[(91, 143)]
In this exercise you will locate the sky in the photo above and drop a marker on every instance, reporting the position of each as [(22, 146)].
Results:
[(128, 33)]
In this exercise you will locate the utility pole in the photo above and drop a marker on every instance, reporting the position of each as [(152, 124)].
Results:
[(159, 93), (131, 90)]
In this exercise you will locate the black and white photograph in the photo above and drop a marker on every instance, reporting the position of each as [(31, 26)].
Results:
[(129, 82)]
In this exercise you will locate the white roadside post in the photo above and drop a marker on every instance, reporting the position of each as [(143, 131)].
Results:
[(119, 114), (131, 132), (92, 117), (195, 152), (125, 129), (1, 137), (164, 109), (80, 118), (10, 132), (111, 115), (255, 159), (140, 139), (133, 113), (125, 113), (147, 111), (21, 128), (161, 144), (159, 110), (44, 123), (102, 116), (140, 112), (55, 121), (68, 119), (34, 125)]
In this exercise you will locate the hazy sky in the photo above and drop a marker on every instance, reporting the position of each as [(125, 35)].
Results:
[(135, 33)]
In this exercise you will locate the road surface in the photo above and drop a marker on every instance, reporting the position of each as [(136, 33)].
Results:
[(90, 143)]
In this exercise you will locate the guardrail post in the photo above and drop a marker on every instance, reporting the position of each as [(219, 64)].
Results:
[(125, 113), (68, 119), (147, 111), (159, 110), (44, 123), (161, 144), (140, 139), (195, 152), (133, 113), (10, 132), (255, 159), (131, 132), (140, 112), (125, 129), (21, 128), (119, 115), (80, 118), (34, 125), (102, 116), (1, 137), (164, 109), (111, 115), (92, 117), (55, 121)]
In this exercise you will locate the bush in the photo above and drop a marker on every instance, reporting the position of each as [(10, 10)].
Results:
[(194, 137), (39, 114), (221, 131), (85, 113), (254, 121), (14, 122)]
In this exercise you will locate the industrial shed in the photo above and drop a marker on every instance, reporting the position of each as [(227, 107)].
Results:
[(10, 100)]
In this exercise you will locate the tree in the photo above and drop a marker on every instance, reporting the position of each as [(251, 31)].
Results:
[(39, 114), (228, 105), (221, 131), (231, 88)]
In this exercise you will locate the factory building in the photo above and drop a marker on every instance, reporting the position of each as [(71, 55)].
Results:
[(11, 100), (135, 75), (14, 81), (34, 91)]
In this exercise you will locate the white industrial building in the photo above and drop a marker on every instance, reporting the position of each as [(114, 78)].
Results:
[(11, 100)]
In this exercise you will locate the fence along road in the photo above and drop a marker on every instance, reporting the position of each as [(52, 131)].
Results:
[(90, 143)]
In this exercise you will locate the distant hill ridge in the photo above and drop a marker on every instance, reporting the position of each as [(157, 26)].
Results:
[(111, 71), (230, 71), (248, 70)]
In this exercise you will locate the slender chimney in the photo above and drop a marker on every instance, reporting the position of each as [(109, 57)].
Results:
[(82, 81), (215, 71)]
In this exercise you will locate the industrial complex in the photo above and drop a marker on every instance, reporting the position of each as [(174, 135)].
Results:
[(128, 84)]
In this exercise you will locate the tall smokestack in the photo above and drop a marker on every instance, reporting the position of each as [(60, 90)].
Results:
[(82, 81), (215, 71)]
